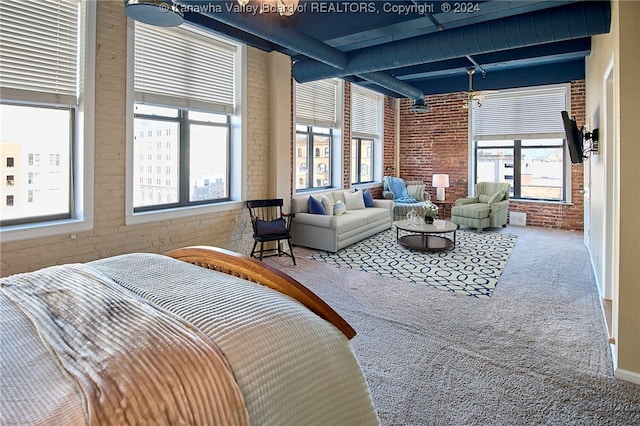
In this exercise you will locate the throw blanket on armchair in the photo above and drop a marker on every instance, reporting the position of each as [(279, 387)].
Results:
[(398, 188), (88, 321)]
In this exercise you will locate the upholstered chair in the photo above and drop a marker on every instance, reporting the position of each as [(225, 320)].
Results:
[(406, 195), (489, 208)]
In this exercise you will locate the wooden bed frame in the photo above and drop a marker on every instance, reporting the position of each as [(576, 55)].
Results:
[(250, 269)]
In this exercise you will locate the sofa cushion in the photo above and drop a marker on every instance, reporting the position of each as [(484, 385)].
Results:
[(316, 207), (473, 211), (348, 222), (327, 203), (496, 197), (371, 214), (339, 208), (354, 200)]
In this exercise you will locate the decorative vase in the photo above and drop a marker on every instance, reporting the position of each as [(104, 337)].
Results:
[(428, 220)]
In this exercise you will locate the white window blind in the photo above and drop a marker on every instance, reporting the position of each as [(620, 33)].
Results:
[(520, 114), (39, 50), (364, 114), (316, 103), (184, 68)]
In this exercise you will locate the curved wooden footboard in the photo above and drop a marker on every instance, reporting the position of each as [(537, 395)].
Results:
[(250, 269)]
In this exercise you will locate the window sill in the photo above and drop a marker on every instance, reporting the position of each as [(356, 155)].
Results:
[(525, 201), (369, 185), (44, 229), (182, 212)]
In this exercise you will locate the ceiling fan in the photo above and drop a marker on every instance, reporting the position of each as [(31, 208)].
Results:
[(474, 95)]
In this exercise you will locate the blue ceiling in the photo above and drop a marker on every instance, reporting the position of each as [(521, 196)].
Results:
[(416, 48)]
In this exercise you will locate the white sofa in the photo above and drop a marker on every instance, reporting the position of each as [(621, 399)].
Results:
[(330, 232)]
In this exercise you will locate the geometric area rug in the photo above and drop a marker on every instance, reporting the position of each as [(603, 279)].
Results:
[(472, 268)]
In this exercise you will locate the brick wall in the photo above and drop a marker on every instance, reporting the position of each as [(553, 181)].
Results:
[(437, 142), (346, 137)]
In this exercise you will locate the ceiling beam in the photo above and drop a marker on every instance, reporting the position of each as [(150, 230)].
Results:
[(521, 76), (577, 20)]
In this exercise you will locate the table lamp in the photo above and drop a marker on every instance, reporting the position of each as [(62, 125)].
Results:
[(440, 182)]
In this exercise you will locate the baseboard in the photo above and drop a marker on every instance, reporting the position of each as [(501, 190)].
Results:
[(629, 376)]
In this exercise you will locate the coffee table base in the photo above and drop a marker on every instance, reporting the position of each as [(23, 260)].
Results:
[(426, 242)]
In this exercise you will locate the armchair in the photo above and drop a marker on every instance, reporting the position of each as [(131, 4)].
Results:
[(406, 196), (489, 208)]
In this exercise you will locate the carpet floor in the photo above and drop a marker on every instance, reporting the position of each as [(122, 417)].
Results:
[(536, 352), (471, 268)]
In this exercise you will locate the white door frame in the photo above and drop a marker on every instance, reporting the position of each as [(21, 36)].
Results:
[(609, 147)]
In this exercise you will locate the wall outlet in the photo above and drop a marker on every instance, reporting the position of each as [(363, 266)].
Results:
[(518, 218)]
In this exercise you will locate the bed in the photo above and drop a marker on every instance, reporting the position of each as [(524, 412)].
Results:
[(199, 335)]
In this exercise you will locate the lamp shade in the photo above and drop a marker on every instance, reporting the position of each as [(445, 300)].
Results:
[(440, 181)]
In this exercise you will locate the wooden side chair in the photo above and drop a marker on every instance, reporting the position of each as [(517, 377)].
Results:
[(270, 224)]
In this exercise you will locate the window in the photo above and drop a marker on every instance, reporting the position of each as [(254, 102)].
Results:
[(534, 168), (186, 117), (366, 110), (42, 105), (361, 164), (10, 180), (316, 139), (518, 138)]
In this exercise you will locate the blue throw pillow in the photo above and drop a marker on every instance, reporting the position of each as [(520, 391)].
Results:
[(368, 198), (315, 206)]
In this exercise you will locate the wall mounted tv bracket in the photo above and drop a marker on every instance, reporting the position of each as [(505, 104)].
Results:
[(592, 136)]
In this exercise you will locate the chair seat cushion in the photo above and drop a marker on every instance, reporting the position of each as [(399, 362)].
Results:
[(473, 211), (272, 227)]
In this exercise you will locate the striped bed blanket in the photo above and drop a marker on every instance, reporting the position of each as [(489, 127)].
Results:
[(146, 339)]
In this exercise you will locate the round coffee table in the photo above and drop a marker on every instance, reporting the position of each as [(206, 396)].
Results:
[(426, 236)]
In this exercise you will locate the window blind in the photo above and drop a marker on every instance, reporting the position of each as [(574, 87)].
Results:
[(316, 103), (520, 114), (39, 50), (364, 114), (184, 68)]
